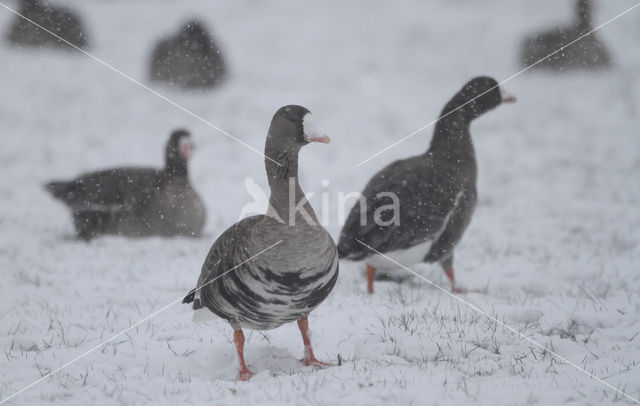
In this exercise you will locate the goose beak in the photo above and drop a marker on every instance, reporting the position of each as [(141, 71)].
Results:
[(317, 138), (310, 132), (186, 149), (507, 98)]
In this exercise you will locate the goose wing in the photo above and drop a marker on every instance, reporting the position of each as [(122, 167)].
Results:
[(425, 199), (109, 190)]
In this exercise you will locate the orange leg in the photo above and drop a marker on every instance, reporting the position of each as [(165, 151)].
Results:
[(238, 338), (452, 279), (309, 359), (371, 273)]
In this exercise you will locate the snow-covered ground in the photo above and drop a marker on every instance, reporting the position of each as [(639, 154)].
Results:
[(555, 237)]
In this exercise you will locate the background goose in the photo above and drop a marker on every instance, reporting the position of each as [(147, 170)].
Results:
[(286, 282), (136, 201), (436, 193), (190, 59), (587, 53), (59, 20)]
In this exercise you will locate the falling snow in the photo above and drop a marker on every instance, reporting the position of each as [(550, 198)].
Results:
[(555, 239)]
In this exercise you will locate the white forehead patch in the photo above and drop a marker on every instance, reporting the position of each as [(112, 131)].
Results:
[(186, 140), (185, 147), (309, 127)]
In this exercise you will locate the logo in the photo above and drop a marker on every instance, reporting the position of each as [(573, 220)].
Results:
[(296, 207)]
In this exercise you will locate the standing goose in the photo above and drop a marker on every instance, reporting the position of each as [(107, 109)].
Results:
[(587, 53), (416, 209), (136, 201), (272, 269)]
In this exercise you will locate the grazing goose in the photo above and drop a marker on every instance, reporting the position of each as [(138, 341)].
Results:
[(416, 209), (136, 201), (587, 53), (191, 59), (60, 21), (283, 283)]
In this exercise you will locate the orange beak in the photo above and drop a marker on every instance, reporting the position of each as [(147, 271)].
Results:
[(317, 138)]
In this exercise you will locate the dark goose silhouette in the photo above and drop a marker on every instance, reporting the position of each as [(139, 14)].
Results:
[(587, 53), (136, 201), (435, 194), (59, 20), (190, 59), (286, 282)]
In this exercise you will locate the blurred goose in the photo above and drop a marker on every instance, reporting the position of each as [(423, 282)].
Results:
[(136, 201), (191, 59), (263, 272), (59, 20), (587, 53), (416, 209)]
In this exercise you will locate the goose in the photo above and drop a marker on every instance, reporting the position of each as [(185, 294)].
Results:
[(136, 201), (417, 209), (59, 20), (587, 53), (268, 270), (190, 59)]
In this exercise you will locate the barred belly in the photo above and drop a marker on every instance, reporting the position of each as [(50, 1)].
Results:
[(265, 297)]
